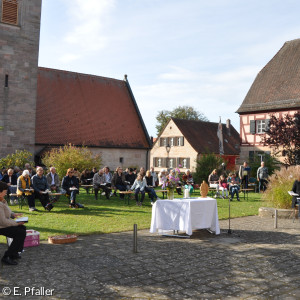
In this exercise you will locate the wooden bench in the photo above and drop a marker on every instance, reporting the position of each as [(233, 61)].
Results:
[(212, 191), (128, 194), (53, 195), (21, 199), (87, 187), (246, 191)]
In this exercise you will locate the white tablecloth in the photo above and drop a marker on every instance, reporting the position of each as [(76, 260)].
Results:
[(185, 215)]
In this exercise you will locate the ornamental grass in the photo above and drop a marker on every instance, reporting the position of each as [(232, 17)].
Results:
[(279, 184)]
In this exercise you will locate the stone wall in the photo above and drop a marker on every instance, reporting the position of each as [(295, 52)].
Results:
[(19, 47), (130, 157)]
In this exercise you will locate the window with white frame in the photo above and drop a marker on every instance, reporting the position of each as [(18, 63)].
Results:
[(159, 162), (172, 142), (171, 163), (178, 141), (260, 126), (184, 163)]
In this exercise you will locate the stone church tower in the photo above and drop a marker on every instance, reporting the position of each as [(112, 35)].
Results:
[(19, 48)]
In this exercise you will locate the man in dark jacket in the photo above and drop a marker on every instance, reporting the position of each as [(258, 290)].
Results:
[(41, 188), (11, 179)]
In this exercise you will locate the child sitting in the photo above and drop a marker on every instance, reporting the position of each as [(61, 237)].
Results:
[(234, 187), (223, 186)]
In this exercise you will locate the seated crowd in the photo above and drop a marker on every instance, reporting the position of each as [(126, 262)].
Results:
[(34, 186)]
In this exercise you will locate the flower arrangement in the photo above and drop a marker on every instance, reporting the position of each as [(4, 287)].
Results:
[(172, 180)]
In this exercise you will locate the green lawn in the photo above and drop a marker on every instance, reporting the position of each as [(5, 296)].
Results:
[(114, 215)]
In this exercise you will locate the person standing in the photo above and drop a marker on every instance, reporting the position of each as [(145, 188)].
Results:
[(244, 174), (262, 177)]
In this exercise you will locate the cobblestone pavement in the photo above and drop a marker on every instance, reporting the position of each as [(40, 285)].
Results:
[(255, 262)]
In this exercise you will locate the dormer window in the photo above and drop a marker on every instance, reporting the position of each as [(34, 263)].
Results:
[(9, 13)]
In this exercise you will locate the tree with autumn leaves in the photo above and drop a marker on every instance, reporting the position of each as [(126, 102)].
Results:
[(283, 135)]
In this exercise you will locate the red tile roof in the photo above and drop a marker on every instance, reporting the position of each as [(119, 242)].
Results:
[(85, 109), (277, 85), (203, 136)]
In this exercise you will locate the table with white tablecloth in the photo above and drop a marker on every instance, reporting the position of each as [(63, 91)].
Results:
[(185, 215)]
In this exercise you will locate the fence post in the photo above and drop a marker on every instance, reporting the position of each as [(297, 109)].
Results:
[(135, 238), (275, 220)]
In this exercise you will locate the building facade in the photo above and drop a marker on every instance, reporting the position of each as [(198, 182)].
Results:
[(19, 48), (275, 91), (42, 108), (182, 142)]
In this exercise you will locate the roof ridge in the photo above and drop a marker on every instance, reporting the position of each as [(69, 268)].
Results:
[(78, 73)]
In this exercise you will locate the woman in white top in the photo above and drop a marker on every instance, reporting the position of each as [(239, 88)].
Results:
[(162, 177), (139, 187)]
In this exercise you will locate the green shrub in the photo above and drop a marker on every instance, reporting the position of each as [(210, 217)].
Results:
[(205, 165), (70, 156), (19, 159), (279, 184), (271, 162)]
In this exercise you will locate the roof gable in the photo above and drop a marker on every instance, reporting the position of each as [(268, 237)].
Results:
[(202, 136), (85, 109), (277, 85)]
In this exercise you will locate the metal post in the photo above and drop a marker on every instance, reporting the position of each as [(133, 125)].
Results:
[(275, 220), (229, 230), (135, 238)]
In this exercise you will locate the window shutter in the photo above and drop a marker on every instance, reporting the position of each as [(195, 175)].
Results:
[(163, 162), (267, 125), (252, 127), (181, 141), (161, 142), (167, 142), (188, 163), (10, 12), (174, 162), (154, 162)]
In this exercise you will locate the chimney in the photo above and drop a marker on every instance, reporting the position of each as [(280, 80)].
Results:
[(228, 127)]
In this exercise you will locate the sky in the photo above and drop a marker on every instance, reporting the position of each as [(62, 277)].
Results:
[(200, 53)]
